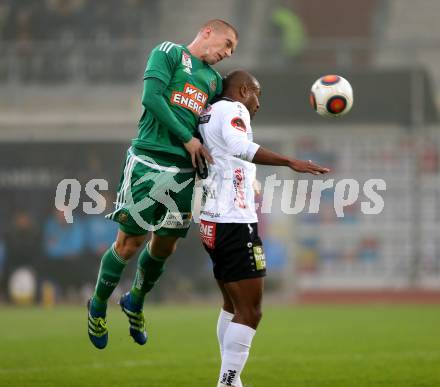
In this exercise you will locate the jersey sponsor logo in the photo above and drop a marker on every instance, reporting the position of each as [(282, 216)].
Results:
[(238, 182), (204, 119), (210, 214), (191, 98), (207, 233), (210, 193), (238, 123), (186, 60)]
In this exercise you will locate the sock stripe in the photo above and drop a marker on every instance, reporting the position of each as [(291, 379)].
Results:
[(117, 256), (158, 259)]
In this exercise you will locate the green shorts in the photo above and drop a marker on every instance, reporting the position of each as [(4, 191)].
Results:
[(152, 197)]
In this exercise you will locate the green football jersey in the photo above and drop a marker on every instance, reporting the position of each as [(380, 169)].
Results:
[(191, 85)]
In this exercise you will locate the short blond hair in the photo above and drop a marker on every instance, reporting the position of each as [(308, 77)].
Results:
[(219, 24)]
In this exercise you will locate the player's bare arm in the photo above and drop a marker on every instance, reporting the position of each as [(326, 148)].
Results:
[(244, 88), (265, 156)]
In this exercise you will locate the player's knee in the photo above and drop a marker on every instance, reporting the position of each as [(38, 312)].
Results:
[(162, 250), (250, 316), (256, 315), (168, 250), (128, 247), (259, 315)]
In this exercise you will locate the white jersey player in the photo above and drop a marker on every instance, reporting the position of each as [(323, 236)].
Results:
[(228, 227), (228, 191)]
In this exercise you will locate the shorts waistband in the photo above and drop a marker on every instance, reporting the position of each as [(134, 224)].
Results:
[(157, 166)]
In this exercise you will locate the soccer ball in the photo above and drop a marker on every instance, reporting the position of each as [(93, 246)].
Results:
[(331, 96)]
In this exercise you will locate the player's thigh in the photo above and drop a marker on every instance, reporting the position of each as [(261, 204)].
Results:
[(163, 246), (247, 293)]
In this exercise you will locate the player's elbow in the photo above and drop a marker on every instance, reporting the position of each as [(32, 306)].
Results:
[(148, 101), (152, 96)]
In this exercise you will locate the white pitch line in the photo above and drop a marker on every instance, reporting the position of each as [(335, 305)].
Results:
[(421, 355), (125, 363)]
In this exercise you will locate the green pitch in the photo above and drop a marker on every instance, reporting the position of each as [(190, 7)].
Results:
[(297, 346)]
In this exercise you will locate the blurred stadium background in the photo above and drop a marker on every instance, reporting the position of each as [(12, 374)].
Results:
[(70, 85)]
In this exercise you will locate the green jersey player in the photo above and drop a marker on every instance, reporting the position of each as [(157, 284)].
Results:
[(156, 185)]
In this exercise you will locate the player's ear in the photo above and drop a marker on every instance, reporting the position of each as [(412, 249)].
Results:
[(206, 32), (243, 91)]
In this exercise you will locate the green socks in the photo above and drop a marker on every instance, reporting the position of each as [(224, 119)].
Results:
[(109, 275), (148, 272)]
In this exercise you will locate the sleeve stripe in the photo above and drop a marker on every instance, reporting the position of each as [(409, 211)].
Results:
[(166, 46), (170, 47)]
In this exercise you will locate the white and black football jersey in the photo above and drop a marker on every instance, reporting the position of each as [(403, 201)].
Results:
[(228, 194)]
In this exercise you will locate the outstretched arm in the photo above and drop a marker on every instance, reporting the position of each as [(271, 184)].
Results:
[(234, 133), (267, 157)]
